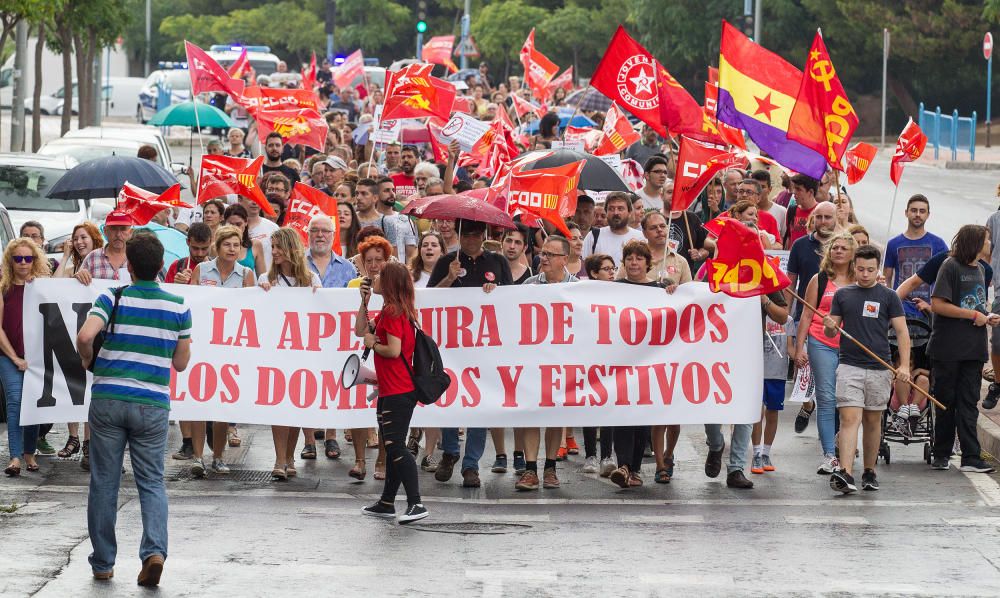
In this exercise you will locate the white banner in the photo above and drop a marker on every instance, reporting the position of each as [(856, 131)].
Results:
[(467, 130), (581, 354)]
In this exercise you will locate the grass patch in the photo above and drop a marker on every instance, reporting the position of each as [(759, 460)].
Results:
[(9, 509)]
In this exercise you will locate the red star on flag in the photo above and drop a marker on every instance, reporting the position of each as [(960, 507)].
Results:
[(764, 106)]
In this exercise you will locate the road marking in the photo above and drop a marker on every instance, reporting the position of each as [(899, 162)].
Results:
[(824, 520), (980, 521), (987, 487), (662, 519), (506, 518)]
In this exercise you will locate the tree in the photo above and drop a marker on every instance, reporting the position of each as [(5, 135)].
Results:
[(373, 24), (501, 28)]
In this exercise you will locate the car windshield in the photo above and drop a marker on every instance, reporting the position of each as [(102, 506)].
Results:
[(177, 80), (84, 152), (24, 188)]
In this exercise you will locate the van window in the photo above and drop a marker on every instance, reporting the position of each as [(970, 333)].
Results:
[(24, 188)]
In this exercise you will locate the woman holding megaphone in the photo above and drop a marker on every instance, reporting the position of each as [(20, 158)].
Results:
[(392, 340)]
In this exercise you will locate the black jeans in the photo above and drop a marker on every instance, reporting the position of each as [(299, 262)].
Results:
[(956, 385), (394, 413), (630, 444), (590, 441)]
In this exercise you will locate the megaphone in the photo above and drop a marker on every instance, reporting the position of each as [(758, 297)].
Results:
[(355, 373)]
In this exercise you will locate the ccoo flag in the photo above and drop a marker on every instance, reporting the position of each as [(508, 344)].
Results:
[(757, 91), (909, 147)]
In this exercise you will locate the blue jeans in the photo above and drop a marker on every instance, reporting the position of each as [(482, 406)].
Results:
[(475, 445), (21, 439), (824, 361), (113, 424), (739, 443)]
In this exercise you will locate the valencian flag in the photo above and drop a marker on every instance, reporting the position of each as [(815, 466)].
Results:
[(242, 65), (413, 93), (823, 118), (303, 126), (740, 268), (909, 147), (304, 203), (142, 205), (546, 193), (617, 133), (225, 175), (859, 158), (757, 91), (438, 51), (538, 70), (207, 75), (352, 68), (697, 163)]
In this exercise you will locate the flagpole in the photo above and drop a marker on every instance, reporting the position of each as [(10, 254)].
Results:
[(888, 225), (586, 92), (197, 123)]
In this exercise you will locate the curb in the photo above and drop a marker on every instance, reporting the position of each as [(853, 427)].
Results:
[(954, 165), (989, 435)]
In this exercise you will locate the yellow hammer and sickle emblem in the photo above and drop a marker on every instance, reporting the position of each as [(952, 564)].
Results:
[(823, 71)]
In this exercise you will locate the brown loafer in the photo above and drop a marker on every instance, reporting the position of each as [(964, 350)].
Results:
[(104, 575), (152, 568)]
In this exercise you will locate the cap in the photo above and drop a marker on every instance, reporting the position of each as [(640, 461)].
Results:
[(336, 163), (118, 218)]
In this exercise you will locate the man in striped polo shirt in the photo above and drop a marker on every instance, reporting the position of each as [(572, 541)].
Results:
[(130, 402)]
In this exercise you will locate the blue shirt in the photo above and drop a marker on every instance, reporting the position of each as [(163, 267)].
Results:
[(338, 272), (906, 257), (803, 261)]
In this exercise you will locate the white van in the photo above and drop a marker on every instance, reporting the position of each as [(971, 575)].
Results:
[(119, 94), (260, 57)]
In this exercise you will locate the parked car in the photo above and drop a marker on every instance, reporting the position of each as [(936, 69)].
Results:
[(82, 149), (177, 80), (260, 57), (141, 133), (116, 100)]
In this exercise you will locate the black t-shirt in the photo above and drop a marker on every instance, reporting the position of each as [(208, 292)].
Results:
[(928, 273), (489, 267), (956, 339), (285, 170), (525, 276), (803, 261), (866, 314), (679, 233)]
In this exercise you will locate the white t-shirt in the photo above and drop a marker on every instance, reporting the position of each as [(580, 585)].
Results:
[(422, 283), (262, 232), (650, 202), (609, 243), (779, 211), (282, 282), (188, 216)]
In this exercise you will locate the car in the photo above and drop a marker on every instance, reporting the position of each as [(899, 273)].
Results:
[(261, 59), (117, 98), (82, 149), (175, 82), (25, 179), (141, 133)]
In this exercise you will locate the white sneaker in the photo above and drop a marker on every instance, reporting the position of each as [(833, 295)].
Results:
[(590, 465), (219, 466), (608, 465), (830, 464)]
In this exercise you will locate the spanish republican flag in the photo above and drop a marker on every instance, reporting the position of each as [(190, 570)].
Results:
[(757, 91)]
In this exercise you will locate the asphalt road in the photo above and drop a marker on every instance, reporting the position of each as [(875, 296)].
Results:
[(926, 533)]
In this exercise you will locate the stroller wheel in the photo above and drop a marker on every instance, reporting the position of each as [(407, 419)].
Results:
[(885, 453), (927, 453)]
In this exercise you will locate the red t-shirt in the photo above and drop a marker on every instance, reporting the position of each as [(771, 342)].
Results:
[(767, 222), (405, 185), (393, 377), (797, 228)]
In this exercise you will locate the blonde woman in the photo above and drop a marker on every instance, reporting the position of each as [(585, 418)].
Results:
[(288, 269), (23, 261)]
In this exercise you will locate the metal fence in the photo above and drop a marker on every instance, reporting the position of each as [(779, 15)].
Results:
[(949, 130)]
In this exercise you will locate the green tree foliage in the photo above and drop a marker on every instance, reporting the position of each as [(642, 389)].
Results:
[(501, 27), (374, 25)]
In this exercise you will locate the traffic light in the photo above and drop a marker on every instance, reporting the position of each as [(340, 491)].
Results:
[(421, 26), (421, 16), (748, 26)]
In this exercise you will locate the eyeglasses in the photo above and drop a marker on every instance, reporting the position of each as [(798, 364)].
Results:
[(23, 259), (320, 231), (608, 269), (547, 255)]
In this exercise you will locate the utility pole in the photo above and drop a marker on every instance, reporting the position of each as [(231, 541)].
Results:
[(885, 70), (331, 17), (149, 37), (757, 19), (20, 87), (466, 19)]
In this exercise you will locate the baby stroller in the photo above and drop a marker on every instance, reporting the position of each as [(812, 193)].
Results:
[(913, 429)]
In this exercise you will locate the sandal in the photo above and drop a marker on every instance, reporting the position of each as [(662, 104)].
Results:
[(347, 437), (372, 440), (332, 449), (308, 452), (233, 437), (72, 447), (358, 471), (279, 474), (634, 480), (379, 470), (661, 477), (13, 471), (32, 467), (290, 470)]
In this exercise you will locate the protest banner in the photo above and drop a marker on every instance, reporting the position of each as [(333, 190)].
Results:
[(465, 129), (384, 131), (581, 354)]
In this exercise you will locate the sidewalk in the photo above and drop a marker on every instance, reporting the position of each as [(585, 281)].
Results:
[(988, 427)]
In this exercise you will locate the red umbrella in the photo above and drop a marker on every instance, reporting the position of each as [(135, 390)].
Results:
[(453, 207)]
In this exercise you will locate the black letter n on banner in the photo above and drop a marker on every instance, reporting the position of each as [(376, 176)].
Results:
[(56, 340)]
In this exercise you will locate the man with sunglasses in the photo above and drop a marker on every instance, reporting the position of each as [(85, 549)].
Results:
[(656, 172)]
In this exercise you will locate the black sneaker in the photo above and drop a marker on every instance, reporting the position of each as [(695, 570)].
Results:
[(940, 463), (446, 467), (976, 465), (992, 395), (413, 513), (519, 465), (500, 465), (802, 419), (869, 481), (713, 462), (380, 509), (736, 479), (841, 481)]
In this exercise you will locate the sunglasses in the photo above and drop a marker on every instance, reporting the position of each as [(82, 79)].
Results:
[(23, 259)]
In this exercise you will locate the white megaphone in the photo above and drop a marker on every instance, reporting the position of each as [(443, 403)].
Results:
[(355, 373)]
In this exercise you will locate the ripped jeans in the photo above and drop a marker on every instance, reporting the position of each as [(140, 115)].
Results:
[(394, 413)]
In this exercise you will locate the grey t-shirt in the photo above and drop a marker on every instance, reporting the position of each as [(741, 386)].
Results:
[(993, 223), (397, 230), (955, 339), (866, 313)]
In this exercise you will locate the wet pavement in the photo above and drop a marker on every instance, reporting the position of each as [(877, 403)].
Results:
[(926, 533)]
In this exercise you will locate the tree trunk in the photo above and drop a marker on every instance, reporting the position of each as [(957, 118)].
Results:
[(66, 40), (82, 80), (576, 66), (36, 98), (3, 42)]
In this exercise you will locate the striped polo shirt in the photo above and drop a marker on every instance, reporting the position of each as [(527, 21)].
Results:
[(134, 363)]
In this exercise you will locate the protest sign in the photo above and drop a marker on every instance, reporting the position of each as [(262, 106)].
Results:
[(581, 354), (466, 129), (385, 131)]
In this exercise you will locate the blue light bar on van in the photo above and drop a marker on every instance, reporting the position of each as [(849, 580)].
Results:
[(239, 48)]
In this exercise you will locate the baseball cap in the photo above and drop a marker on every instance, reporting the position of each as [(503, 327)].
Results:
[(336, 163), (118, 218)]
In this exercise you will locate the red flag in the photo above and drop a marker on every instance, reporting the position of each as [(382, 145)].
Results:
[(462, 105), (256, 99), (565, 80), (740, 268), (547, 193), (224, 175), (697, 163), (207, 75), (440, 150), (304, 203), (410, 93), (438, 51), (730, 135), (538, 70), (362, 91), (142, 205), (495, 150), (309, 75), (859, 158), (588, 136), (909, 147), (823, 118), (303, 126), (352, 68), (522, 107), (713, 76), (679, 112), (238, 68), (627, 74), (617, 131)]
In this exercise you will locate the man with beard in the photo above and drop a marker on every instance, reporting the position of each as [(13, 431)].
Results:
[(907, 253), (404, 181), (277, 189), (611, 238), (274, 148), (395, 228)]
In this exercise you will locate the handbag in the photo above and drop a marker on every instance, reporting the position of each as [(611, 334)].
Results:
[(109, 328)]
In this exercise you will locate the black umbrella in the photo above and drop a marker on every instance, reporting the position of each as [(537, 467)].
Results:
[(104, 177), (596, 176)]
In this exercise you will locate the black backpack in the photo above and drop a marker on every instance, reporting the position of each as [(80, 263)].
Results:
[(430, 381), (108, 329)]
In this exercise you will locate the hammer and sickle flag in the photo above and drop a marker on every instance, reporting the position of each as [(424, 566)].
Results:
[(414, 93), (225, 175)]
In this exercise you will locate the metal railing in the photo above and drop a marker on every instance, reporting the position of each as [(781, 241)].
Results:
[(949, 130)]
